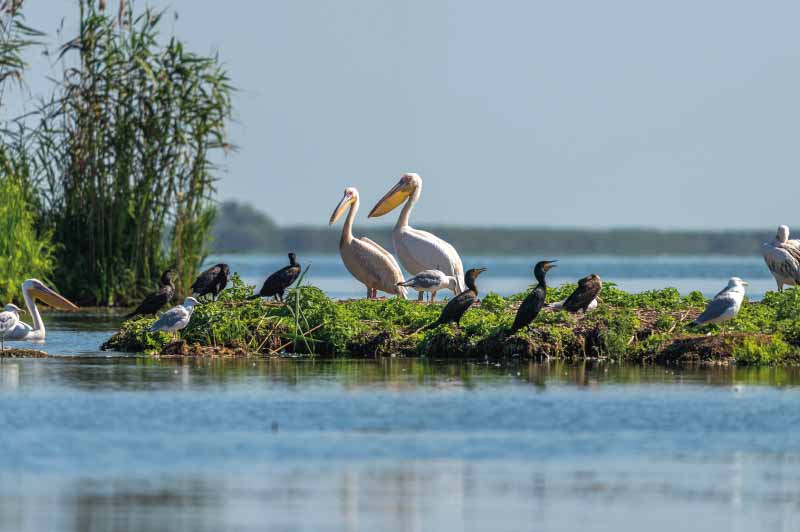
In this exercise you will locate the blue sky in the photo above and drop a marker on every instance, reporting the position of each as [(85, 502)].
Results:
[(592, 114)]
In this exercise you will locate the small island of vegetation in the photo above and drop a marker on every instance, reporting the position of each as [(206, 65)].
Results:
[(652, 326)]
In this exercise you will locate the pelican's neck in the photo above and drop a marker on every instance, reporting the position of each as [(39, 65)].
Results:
[(38, 324), (347, 229), (402, 221)]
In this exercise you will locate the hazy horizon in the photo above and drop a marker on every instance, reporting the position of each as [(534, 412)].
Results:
[(516, 114)]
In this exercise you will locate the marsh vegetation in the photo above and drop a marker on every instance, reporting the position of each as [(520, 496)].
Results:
[(117, 163), (650, 326)]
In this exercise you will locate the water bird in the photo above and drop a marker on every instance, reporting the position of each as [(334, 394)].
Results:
[(154, 302), (176, 318), (725, 305), (212, 281), (8, 321), (582, 298), (33, 289), (417, 250), (431, 281), (278, 282), (366, 260), (558, 305), (782, 256), (456, 307), (533, 303)]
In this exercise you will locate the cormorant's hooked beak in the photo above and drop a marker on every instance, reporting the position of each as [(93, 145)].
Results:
[(392, 199), (550, 264), (337, 212), (50, 297)]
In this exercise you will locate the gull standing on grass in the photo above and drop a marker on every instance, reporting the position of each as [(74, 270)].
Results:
[(783, 258), (176, 318), (431, 281), (725, 305), (8, 320)]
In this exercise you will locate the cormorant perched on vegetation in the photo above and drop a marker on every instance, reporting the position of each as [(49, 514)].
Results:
[(456, 307), (279, 281), (152, 303), (588, 289), (532, 304), (212, 281)]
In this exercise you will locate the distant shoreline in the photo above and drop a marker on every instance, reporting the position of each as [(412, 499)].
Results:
[(245, 230)]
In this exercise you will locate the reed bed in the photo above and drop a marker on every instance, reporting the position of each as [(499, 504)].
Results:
[(122, 156)]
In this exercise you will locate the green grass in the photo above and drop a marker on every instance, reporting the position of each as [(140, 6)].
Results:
[(653, 325)]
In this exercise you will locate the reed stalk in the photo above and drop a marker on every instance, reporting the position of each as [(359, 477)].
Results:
[(123, 156)]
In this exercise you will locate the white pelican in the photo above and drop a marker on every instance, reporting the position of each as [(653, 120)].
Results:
[(176, 318), (418, 250), (364, 259), (783, 258), (431, 281), (725, 305), (8, 320), (34, 289)]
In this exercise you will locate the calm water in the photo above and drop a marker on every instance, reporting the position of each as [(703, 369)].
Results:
[(105, 442), (126, 444), (509, 275)]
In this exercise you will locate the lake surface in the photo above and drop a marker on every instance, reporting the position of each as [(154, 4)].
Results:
[(123, 443), (513, 274), (95, 441)]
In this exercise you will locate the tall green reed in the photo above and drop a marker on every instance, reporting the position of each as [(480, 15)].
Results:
[(123, 156), (24, 252)]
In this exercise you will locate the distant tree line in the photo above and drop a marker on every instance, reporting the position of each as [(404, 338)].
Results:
[(244, 229)]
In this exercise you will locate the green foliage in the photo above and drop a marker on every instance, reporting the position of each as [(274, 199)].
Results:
[(494, 303), (122, 156), (752, 352), (23, 253), (310, 322), (15, 38)]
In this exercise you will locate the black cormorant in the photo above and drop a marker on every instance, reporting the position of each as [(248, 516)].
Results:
[(588, 289), (532, 304), (152, 303), (456, 307), (279, 281), (212, 281)]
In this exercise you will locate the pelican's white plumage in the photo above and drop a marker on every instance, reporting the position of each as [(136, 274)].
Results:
[(782, 256), (176, 318), (725, 305), (431, 281), (366, 260), (33, 289), (8, 321), (418, 250)]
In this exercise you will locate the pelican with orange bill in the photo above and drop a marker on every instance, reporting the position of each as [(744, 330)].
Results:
[(33, 289), (418, 250)]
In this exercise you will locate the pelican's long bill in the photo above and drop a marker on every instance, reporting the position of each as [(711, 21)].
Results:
[(55, 300), (392, 199), (337, 212)]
